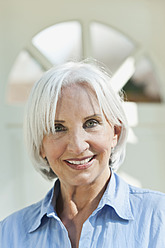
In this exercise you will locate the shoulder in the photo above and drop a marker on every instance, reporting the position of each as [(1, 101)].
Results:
[(140, 195), (148, 204), (144, 202), (148, 208), (14, 229), (23, 217), (27, 215), (147, 196)]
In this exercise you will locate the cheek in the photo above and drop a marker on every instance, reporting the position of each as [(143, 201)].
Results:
[(53, 150), (103, 144), (106, 138)]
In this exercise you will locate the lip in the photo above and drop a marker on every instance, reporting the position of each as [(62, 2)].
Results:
[(80, 166)]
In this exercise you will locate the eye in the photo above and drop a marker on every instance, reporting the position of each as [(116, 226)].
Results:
[(59, 128), (91, 123)]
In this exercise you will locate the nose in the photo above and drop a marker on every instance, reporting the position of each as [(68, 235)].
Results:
[(78, 142)]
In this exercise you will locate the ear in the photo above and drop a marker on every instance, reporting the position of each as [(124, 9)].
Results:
[(117, 132), (42, 152)]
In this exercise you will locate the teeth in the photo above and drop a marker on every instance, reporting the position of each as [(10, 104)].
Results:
[(79, 162)]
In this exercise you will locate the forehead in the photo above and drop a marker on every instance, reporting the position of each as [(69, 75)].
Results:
[(77, 97)]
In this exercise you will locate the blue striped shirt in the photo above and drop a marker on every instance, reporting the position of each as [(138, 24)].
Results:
[(126, 217)]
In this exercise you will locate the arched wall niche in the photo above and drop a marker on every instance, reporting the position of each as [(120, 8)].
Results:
[(55, 45), (140, 21)]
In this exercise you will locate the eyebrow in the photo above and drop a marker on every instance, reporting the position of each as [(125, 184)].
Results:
[(59, 121), (91, 116), (86, 118)]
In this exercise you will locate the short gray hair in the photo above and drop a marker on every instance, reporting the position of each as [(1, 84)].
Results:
[(41, 108)]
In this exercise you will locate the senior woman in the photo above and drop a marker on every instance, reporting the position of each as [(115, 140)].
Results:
[(76, 130)]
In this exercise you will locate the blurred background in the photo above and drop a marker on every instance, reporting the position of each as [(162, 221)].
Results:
[(127, 36)]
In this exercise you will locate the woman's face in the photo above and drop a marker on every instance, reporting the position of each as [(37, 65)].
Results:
[(79, 151)]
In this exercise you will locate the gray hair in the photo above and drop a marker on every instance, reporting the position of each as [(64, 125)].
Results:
[(41, 108)]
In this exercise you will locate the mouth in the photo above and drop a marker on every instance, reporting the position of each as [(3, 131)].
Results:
[(80, 164)]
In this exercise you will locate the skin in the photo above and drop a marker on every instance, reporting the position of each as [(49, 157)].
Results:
[(82, 133)]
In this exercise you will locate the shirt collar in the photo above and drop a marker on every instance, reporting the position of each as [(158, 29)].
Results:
[(47, 206), (117, 196)]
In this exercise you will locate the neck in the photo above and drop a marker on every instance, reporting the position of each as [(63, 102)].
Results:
[(73, 200)]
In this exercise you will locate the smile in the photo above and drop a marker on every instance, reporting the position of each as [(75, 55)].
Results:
[(80, 163), (85, 161)]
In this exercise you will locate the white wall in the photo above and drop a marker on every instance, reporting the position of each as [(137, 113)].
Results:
[(142, 21)]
